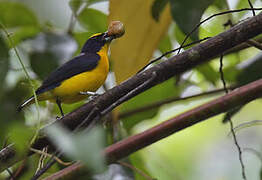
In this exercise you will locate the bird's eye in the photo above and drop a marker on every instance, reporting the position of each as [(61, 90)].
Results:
[(107, 38)]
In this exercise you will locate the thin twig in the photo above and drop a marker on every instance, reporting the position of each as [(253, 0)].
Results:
[(71, 24), (10, 174), (41, 159), (50, 155), (130, 94), (20, 170), (231, 122), (254, 43), (171, 51), (251, 5), (28, 79), (96, 119), (147, 177), (253, 151), (210, 17), (74, 16), (176, 65), (127, 146), (246, 125), (169, 100), (58, 153)]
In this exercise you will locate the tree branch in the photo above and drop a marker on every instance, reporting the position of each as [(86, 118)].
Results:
[(169, 100), (134, 143), (175, 65)]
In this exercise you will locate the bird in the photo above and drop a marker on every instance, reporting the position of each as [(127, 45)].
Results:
[(81, 76)]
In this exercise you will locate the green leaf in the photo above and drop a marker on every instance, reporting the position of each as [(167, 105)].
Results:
[(21, 136), (49, 50), (187, 14), (157, 7), (180, 36), (14, 14), (208, 72), (4, 61), (251, 70), (9, 103), (137, 160), (215, 25), (23, 33), (165, 45), (220, 4), (260, 174), (157, 93), (43, 63), (243, 4), (93, 20), (87, 147), (81, 38), (76, 4)]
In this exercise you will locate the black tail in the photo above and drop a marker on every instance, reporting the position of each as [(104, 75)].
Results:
[(27, 102)]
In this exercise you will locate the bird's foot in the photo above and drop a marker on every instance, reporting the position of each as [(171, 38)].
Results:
[(89, 93), (58, 118)]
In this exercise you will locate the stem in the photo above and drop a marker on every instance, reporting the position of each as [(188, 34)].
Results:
[(167, 101), (231, 122), (28, 79)]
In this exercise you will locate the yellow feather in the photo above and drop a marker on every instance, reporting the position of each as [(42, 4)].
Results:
[(69, 90)]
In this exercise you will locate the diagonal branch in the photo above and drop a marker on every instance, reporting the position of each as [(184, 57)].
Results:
[(157, 104), (134, 143), (175, 65)]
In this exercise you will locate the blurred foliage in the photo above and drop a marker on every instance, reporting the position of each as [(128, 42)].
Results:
[(153, 27), (251, 72), (192, 15), (20, 135), (48, 51), (76, 4), (93, 20), (165, 45), (14, 15), (157, 7), (76, 145), (159, 92), (10, 100), (4, 63)]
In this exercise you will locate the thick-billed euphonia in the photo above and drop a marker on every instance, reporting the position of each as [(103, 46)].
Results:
[(81, 76)]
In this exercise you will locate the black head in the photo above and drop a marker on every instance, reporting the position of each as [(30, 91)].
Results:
[(96, 42)]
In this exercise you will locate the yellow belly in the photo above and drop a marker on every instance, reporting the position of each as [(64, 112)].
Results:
[(69, 90)]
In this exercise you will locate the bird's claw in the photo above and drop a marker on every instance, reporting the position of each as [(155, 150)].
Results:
[(89, 93)]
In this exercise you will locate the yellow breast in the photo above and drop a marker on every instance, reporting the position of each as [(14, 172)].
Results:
[(69, 90)]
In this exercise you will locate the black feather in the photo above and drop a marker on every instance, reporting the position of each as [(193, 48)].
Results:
[(82, 63), (94, 44)]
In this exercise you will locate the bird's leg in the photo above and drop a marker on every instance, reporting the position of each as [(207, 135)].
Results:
[(89, 93), (58, 102), (129, 95)]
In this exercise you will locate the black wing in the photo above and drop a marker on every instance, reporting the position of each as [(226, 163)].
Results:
[(79, 64)]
